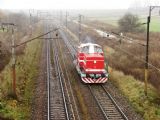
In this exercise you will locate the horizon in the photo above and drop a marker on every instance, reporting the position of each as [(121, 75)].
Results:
[(74, 4)]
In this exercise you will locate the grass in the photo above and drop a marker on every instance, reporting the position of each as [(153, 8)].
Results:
[(155, 24), (26, 71), (1, 30), (108, 50), (81, 102), (109, 20), (133, 89)]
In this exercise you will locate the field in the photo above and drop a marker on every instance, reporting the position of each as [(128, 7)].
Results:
[(111, 20), (112, 17), (154, 26)]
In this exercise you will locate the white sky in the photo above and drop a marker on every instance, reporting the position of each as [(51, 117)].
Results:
[(69, 4)]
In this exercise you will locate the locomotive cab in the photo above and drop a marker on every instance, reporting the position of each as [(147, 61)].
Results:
[(90, 63)]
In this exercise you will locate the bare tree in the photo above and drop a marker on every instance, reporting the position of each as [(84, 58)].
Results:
[(130, 23)]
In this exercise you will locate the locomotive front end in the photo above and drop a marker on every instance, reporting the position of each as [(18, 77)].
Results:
[(91, 64)]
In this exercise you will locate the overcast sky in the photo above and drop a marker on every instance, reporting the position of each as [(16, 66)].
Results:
[(73, 4)]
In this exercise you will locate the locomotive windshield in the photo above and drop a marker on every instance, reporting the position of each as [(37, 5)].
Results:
[(90, 49), (85, 49)]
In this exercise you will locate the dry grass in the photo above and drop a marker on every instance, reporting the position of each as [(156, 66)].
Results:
[(133, 89), (26, 71)]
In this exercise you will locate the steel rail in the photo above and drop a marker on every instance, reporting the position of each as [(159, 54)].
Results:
[(70, 87), (100, 106), (60, 76), (110, 110), (48, 79), (114, 102)]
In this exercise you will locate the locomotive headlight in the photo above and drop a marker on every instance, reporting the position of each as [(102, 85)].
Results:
[(95, 61)]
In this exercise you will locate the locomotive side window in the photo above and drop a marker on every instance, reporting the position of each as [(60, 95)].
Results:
[(97, 49), (85, 49)]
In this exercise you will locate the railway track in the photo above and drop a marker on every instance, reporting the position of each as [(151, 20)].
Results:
[(105, 101), (57, 104), (68, 43), (87, 107), (67, 83)]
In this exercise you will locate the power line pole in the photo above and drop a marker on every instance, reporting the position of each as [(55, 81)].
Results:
[(80, 28), (13, 62), (66, 20), (13, 57), (61, 17), (30, 19), (147, 47)]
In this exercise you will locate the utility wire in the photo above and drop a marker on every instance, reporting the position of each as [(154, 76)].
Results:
[(128, 53), (125, 38), (158, 69), (35, 38)]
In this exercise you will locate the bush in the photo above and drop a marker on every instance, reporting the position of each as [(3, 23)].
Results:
[(130, 23)]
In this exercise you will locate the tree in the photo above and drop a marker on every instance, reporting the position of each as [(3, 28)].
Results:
[(130, 23)]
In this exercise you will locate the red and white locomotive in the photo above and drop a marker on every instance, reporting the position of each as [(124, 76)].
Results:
[(90, 63)]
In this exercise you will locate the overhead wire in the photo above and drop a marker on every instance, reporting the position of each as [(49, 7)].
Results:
[(35, 38), (129, 53), (142, 60)]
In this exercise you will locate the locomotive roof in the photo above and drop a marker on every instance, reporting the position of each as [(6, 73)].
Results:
[(89, 44)]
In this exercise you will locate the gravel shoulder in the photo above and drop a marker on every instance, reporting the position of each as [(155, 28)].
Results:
[(39, 106)]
